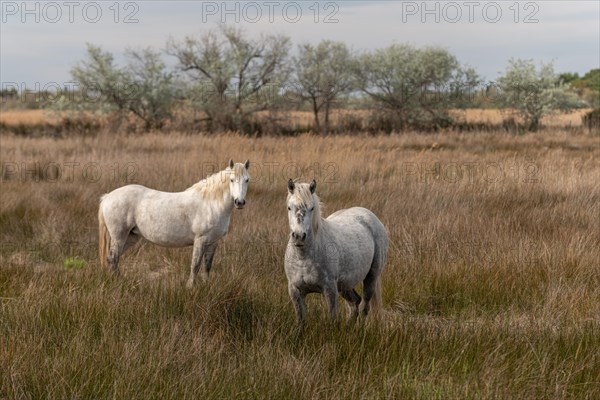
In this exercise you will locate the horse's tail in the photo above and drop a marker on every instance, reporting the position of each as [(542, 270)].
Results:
[(381, 249), (103, 238)]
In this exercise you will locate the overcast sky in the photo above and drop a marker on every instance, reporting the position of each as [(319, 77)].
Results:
[(43, 40)]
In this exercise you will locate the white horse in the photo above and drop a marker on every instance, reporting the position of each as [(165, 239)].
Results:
[(333, 255), (198, 216)]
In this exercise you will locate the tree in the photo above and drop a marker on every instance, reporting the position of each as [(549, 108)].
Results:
[(100, 80), (568, 77), (143, 86), (535, 93), (591, 83), (323, 74), (232, 76), (587, 87), (154, 88), (418, 86)]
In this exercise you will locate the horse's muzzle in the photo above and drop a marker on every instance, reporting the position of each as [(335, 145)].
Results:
[(299, 238), (239, 204)]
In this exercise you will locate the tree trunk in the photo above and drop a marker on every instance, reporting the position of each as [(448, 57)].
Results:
[(317, 127), (326, 124), (534, 124)]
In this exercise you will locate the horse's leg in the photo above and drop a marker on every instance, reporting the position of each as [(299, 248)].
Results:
[(331, 295), (209, 253), (299, 304), (353, 300), (369, 287), (199, 247), (132, 239), (116, 249), (113, 257)]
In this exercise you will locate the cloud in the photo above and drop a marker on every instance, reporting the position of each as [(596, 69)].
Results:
[(566, 31)]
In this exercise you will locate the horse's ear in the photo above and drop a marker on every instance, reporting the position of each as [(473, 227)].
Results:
[(291, 186), (231, 163), (313, 186), (247, 164)]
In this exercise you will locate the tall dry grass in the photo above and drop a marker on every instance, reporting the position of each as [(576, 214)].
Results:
[(14, 117), (298, 120), (490, 291)]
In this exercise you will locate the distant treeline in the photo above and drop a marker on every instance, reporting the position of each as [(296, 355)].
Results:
[(226, 80)]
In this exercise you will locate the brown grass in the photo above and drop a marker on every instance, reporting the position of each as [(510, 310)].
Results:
[(476, 115), (305, 118), (15, 117), (491, 289), (493, 116)]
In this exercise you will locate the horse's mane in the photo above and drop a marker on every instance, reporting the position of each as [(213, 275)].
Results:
[(304, 198), (215, 186)]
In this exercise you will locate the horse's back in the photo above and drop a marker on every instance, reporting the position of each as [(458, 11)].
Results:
[(124, 198), (136, 194), (126, 191), (359, 216)]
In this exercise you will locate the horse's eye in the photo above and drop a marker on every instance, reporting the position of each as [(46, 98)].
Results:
[(312, 208), (231, 180), (247, 179), (289, 208)]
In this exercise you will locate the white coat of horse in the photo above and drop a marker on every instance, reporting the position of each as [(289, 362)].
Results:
[(333, 255), (198, 216)]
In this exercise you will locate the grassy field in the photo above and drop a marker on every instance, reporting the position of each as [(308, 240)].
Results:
[(490, 291), (303, 119)]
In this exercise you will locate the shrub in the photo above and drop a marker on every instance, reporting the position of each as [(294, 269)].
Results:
[(535, 93)]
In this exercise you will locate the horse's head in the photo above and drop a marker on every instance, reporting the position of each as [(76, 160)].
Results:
[(303, 211), (238, 182)]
